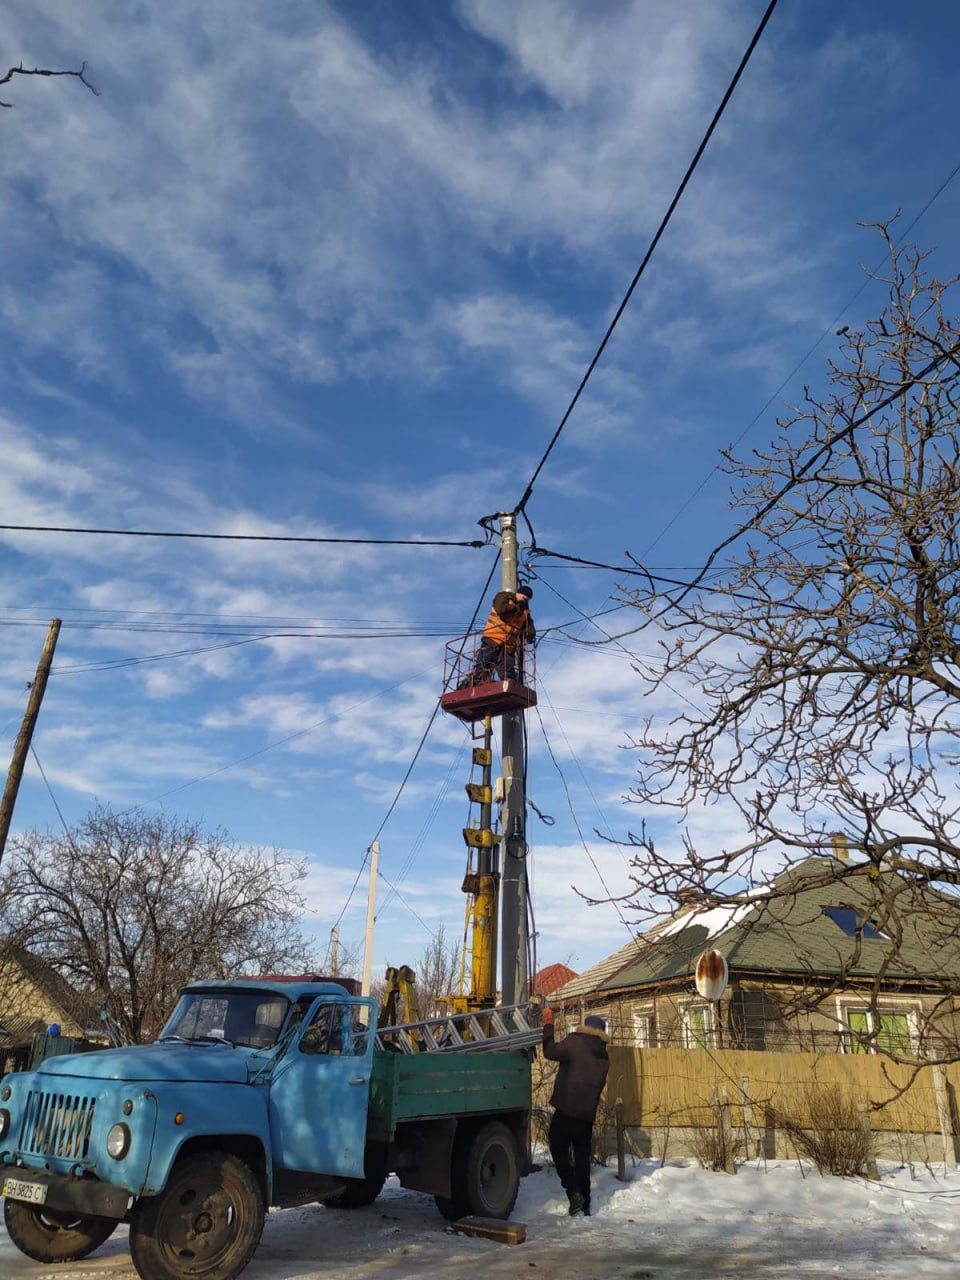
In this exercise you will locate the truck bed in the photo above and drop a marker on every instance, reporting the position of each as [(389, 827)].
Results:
[(423, 1086)]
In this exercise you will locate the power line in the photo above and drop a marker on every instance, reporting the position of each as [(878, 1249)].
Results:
[(113, 664), (678, 195), (420, 745), (803, 360), (395, 892), (583, 776), (426, 827), (246, 537), (641, 572), (343, 909), (827, 447), (586, 847), (275, 619), (617, 641), (46, 782)]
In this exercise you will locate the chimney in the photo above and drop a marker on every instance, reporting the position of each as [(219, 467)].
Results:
[(841, 849)]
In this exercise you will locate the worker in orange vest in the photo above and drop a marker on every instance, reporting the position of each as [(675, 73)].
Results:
[(508, 629)]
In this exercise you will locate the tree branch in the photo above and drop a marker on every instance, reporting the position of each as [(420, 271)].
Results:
[(21, 70)]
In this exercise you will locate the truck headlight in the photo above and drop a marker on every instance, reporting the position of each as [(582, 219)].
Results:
[(118, 1141), (4, 1122)]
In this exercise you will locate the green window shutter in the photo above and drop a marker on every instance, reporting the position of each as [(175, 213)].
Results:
[(860, 1028), (893, 1033)]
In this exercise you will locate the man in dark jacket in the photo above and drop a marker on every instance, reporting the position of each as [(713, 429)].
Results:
[(584, 1064)]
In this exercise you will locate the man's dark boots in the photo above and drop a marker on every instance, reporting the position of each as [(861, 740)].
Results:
[(576, 1203), (586, 1208)]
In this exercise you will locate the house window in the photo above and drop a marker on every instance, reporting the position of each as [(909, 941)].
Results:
[(698, 1026), (847, 920), (644, 1028), (892, 1031)]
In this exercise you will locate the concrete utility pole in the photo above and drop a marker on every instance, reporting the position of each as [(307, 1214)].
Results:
[(513, 884), (371, 915), (334, 950), (22, 744)]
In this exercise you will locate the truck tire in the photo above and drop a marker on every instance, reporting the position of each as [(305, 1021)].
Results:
[(54, 1237), (205, 1223), (492, 1171), (485, 1177), (358, 1192)]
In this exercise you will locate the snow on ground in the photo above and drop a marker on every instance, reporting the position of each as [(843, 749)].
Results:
[(672, 1223)]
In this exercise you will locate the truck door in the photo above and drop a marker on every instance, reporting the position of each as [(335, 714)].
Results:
[(320, 1091)]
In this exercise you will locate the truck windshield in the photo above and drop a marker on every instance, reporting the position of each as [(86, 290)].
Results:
[(251, 1018)]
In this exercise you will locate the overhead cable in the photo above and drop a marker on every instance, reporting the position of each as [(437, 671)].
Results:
[(586, 848), (416, 755), (247, 537), (678, 195), (831, 327), (640, 572), (433, 714), (825, 449)]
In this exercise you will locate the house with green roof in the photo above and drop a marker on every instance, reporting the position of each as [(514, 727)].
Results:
[(833, 955)]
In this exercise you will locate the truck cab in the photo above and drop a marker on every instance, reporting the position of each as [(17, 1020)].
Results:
[(257, 1092)]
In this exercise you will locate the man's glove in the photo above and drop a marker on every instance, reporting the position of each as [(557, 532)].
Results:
[(547, 1016)]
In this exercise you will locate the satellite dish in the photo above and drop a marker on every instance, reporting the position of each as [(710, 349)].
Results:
[(711, 975)]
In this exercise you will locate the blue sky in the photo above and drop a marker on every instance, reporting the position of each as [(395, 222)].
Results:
[(337, 269)]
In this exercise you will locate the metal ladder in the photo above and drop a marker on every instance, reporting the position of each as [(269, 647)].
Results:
[(503, 1028)]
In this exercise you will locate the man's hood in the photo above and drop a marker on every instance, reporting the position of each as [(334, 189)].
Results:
[(594, 1033), (202, 1061)]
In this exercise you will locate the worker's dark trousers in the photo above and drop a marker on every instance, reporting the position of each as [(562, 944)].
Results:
[(568, 1134), (496, 662)]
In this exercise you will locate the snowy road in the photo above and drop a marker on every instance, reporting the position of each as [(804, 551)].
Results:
[(676, 1223)]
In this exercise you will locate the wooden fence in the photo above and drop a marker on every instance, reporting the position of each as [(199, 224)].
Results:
[(655, 1090)]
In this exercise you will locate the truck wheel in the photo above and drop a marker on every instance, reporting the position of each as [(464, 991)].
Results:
[(54, 1237), (358, 1192), (450, 1208), (205, 1223), (491, 1171)]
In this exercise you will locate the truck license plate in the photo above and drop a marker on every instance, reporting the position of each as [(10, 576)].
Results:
[(32, 1192)]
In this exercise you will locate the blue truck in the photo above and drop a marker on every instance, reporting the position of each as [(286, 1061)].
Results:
[(257, 1093)]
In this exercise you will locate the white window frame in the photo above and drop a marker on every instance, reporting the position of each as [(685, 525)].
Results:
[(709, 1027), (644, 1015), (889, 1004)]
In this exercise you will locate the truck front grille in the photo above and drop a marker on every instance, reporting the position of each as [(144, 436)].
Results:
[(57, 1124)]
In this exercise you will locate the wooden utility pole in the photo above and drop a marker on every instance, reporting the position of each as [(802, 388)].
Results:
[(371, 917), (22, 744), (513, 884)]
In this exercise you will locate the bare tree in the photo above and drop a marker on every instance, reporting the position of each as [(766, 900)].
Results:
[(21, 70), (438, 974), (821, 670), (130, 906)]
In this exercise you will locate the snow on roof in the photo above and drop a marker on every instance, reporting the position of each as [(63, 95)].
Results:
[(715, 920)]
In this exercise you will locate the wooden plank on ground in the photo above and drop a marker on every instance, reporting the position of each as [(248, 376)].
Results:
[(491, 1229)]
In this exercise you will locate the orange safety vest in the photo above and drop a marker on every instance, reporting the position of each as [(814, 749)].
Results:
[(506, 631)]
